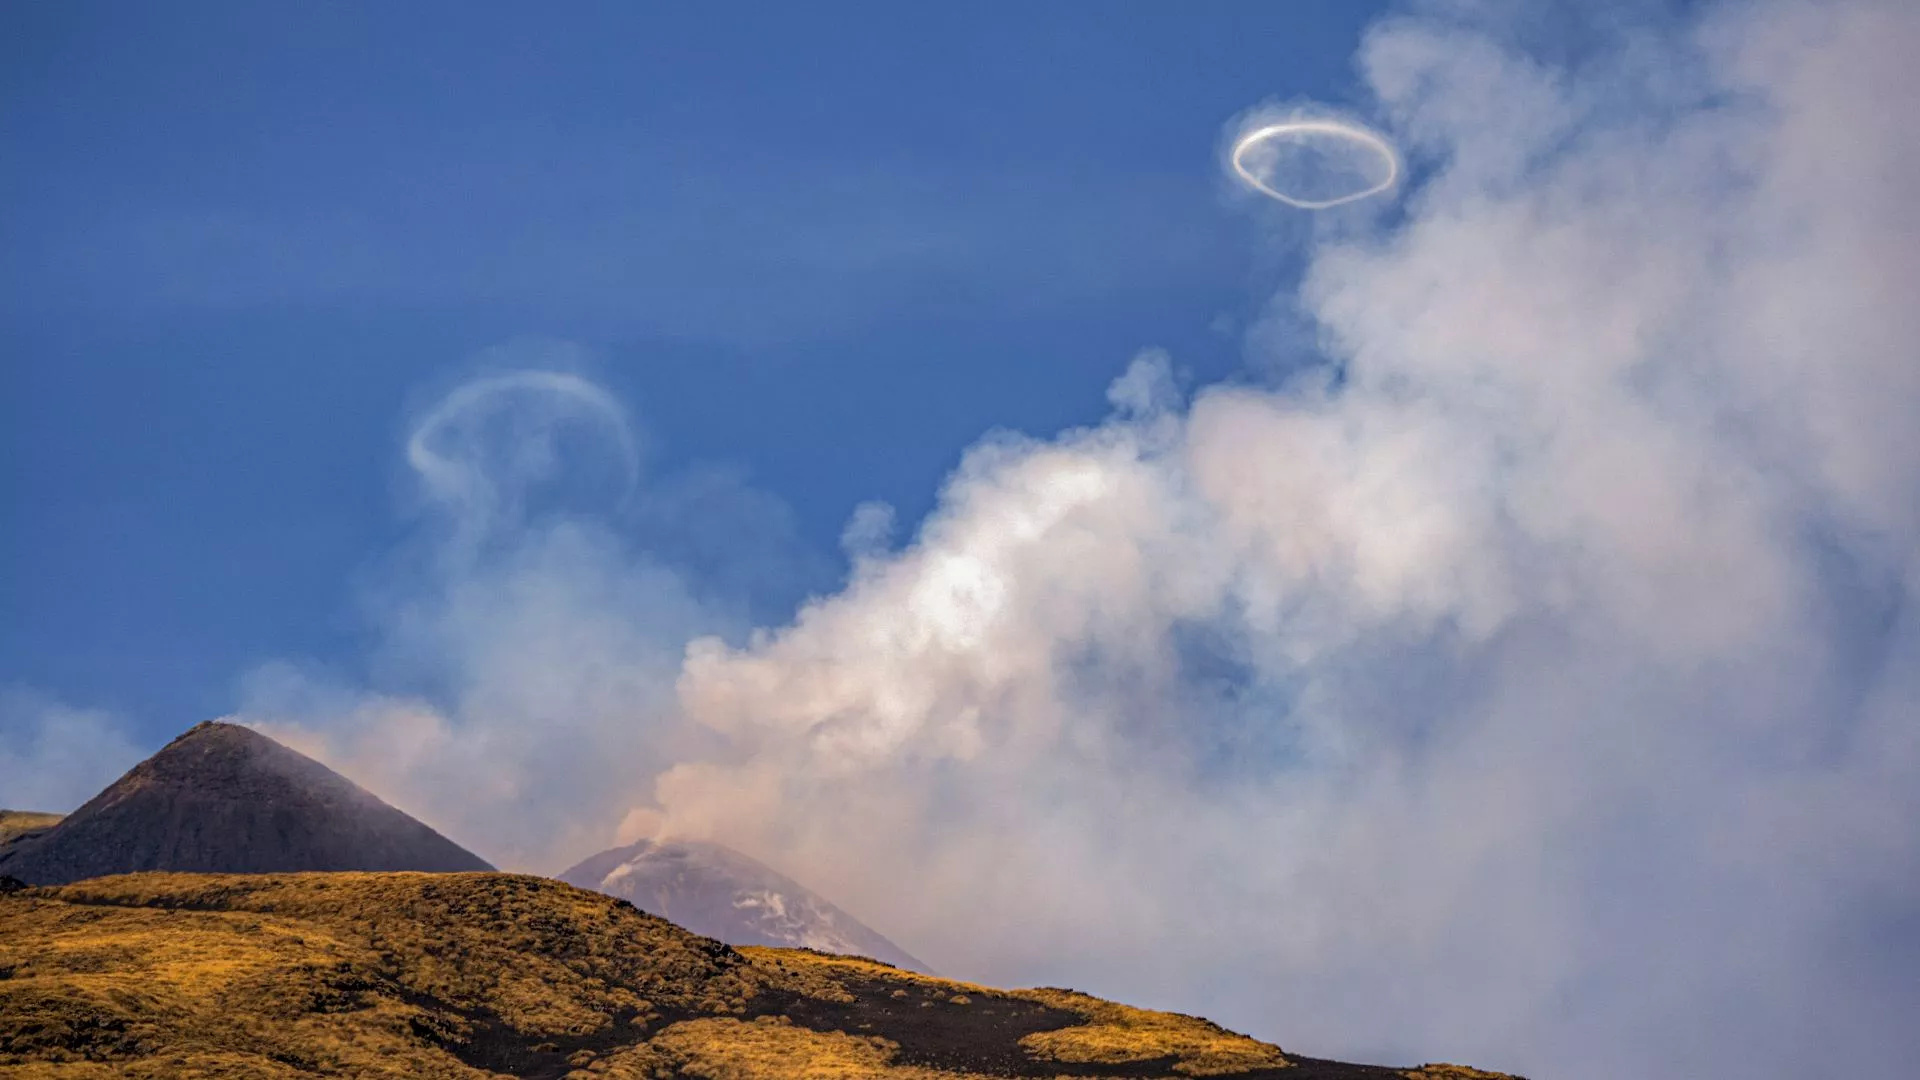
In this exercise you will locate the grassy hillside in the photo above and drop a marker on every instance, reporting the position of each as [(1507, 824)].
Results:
[(472, 975), (20, 822)]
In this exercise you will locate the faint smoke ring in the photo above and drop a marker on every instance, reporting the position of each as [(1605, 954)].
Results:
[(449, 448)]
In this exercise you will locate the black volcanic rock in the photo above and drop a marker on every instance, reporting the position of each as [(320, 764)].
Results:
[(224, 799), (717, 892)]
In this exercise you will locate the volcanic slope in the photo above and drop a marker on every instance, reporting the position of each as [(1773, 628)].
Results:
[(224, 799), (476, 975), (717, 891)]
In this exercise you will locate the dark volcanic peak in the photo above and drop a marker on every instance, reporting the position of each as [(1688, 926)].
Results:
[(224, 799), (716, 891)]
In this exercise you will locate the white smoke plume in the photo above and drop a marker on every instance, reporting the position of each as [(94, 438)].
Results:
[(1536, 688), (1535, 682)]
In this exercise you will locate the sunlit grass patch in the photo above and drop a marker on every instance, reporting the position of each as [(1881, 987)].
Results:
[(771, 1048), (15, 822), (1115, 1034)]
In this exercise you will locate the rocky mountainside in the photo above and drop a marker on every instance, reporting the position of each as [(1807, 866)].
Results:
[(224, 799), (483, 975), (717, 891)]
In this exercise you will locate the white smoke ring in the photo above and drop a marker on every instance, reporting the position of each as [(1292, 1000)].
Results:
[(456, 479), (1354, 132)]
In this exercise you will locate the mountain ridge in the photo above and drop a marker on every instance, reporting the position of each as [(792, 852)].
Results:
[(224, 798), (721, 893), (473, 975)]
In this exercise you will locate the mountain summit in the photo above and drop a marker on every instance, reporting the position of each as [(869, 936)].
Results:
[(716, 891), (225, 799)]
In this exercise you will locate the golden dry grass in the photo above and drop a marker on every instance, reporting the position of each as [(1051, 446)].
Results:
[(341, 974), (771, 1046), (15, 822), (475, 975), (821, 975), (1120, 1033)]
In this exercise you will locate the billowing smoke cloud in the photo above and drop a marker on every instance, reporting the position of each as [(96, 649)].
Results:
[(1536, 682), (1536, 685)]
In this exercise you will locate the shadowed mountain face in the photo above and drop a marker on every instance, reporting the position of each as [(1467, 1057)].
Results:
[(224, 799), (718, 892)]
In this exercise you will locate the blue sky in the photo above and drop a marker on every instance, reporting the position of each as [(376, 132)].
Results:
[(825, 248)]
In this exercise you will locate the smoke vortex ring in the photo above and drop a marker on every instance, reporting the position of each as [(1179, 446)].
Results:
[(1315, 127)]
